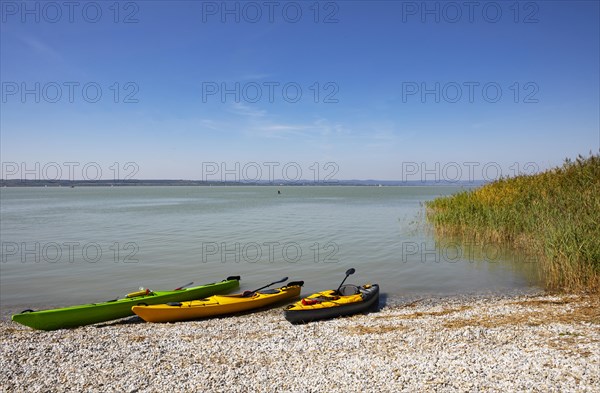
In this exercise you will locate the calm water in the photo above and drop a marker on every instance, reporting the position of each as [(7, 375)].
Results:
[(63, 245)]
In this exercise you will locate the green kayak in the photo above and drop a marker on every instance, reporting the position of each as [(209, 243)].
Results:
[(86, 314)]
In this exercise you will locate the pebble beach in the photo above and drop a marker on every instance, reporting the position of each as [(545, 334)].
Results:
[(540, 343)]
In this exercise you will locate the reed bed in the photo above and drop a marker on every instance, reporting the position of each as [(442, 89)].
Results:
[(554, 215)]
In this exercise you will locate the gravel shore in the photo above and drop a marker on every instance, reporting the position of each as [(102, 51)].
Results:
[(545, 343)]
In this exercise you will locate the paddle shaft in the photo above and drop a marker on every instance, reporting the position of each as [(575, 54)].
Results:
[(273, 283), (183, 286)]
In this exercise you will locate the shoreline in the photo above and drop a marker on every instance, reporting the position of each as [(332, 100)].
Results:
[(385, 299), (533, 342)]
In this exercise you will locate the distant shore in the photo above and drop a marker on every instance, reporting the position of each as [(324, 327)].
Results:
[(274, 183), (498, 343)]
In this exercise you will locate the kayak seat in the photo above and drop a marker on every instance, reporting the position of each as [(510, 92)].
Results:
[(349, 290), (269, 291)]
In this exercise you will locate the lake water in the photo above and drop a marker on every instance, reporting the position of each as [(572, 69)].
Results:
[(85, 244)]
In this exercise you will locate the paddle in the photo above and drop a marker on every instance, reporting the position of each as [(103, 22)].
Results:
[(183, 286), (348, 273), (250, 293)]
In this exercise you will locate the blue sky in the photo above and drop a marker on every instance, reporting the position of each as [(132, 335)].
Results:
[(369, 65)]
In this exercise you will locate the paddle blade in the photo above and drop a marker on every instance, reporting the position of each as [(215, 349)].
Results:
[(348, 272)]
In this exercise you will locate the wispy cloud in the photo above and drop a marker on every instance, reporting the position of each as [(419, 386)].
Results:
[(317, 129), (245, 110), (41, 48), (278, 130), (323, 133), (210, 124)]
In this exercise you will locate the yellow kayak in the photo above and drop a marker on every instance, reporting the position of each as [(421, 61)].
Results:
[(217, 305), (347, 300)]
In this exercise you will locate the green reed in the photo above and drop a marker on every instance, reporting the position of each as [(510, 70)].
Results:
[(554, 215)]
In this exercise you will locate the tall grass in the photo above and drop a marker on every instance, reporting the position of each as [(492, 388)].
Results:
[(554, 215)]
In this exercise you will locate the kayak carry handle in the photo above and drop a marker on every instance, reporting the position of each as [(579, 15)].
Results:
[(295, 283), (237, 278)]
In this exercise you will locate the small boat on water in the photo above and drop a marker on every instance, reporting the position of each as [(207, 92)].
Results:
[(86, 314), (346, 300), (219, 304)]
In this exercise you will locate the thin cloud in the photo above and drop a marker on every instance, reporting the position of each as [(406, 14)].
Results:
[(40, 48), (245, 110), (210, 124), (321, 129)]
